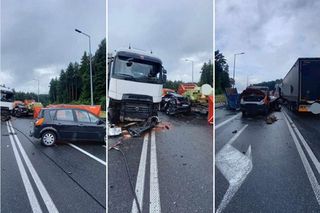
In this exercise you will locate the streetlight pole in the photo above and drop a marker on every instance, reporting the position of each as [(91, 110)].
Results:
[(91, 85), (192, 66), (38, 87), (234, 67)]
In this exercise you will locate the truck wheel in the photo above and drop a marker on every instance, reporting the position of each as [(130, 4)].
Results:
[(48, 138)]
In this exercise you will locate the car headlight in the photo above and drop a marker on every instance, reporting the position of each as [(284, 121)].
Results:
[(261, 102), (241, 101)]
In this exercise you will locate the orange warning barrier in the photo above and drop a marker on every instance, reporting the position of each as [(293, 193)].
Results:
[(185, 87), (210, 110), (36, 111), (166, 91), (96, 109)]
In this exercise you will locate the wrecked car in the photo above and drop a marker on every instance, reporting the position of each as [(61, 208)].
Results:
[(173, 103), (255, 100), (20, 110)]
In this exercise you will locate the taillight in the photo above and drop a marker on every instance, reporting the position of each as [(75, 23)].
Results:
[(39, 122)]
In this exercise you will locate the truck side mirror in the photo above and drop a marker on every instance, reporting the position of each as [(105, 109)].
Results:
[(164, 75)]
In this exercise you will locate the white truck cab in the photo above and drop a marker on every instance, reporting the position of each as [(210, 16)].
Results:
[(135, 85), (6, 102)]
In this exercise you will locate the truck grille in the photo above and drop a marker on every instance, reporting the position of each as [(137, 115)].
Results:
[(137, 109)]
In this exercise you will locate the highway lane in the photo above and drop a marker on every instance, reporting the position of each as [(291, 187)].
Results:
[(74, 181), (283, 176), (181, 178)]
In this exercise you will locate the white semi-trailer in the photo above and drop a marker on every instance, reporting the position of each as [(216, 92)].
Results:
[(135, 86)]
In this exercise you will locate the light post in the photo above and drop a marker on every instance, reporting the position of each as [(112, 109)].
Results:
[(91, 86), (234, 67), (38, 87), (192, 66)]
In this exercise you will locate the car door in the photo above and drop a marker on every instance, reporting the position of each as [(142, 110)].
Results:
[(99, 127), (65, 124), (88, 127)]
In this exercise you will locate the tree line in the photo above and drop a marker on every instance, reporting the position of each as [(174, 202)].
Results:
[(73, 84), (222, 79), (205, 78)]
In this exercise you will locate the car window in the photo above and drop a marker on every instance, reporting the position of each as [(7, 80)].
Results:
[(93, 118), (82, 116), (64, 115), (51, 113)]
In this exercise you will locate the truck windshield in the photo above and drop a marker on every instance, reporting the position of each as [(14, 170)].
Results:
[(6, 96), (137, 70)]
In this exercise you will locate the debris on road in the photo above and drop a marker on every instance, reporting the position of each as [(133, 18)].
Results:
[(114, 131), (234, 132), (138, 129), (271, 119)]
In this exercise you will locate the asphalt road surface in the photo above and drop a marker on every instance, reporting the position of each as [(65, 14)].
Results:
[(63, 178), (170, 168), (264, 167)]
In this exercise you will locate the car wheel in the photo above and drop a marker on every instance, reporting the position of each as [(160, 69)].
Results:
[(18, 114), (244, 114), (169, 109), (48, 138)]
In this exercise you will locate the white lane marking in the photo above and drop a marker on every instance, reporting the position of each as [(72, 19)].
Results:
[(314, 183), (155, 206), (141, 175), (88, 154), (304, 143), (234, 166), (26, 182), (43, 191), (226, 121)]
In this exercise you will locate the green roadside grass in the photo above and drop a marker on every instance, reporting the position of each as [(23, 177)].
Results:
[(220, 98)]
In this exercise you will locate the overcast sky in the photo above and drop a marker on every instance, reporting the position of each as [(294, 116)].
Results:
[(273, 34), (173, 30), (38, 38)]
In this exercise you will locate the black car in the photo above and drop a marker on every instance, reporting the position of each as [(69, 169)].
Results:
[(68, 124), (20, 110), (173, 103)]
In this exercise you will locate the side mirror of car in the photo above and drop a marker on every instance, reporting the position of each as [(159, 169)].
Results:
[(99, 122)]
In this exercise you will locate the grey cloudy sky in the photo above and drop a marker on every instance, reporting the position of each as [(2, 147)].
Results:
[(273, 34), (38, 38), (173, 30)]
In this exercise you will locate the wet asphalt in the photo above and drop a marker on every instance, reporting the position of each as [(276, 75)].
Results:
[(74, 181), (184, 151), (278, 181)]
